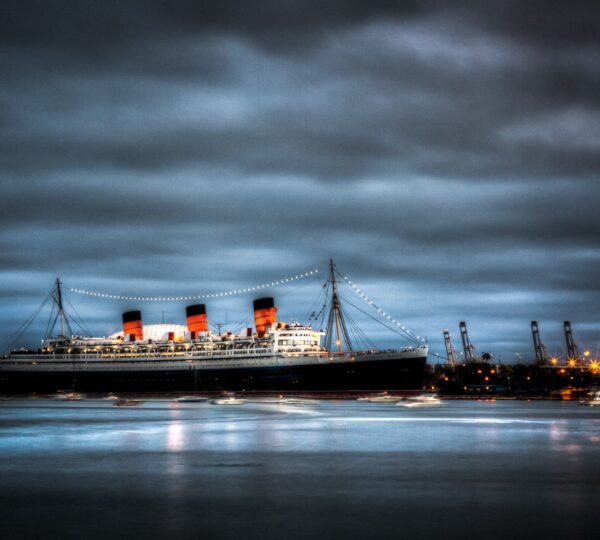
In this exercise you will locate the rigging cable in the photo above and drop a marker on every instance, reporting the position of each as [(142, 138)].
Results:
[(50, 324), (58, 300), (323, 311), (11, 341), (232, 292), (409, 334), (358, 333), (378, 321), (312, 312), (78, 319), (321, 300)]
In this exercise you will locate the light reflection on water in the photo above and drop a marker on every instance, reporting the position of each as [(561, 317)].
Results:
[(175, 434), (272, 470), (316, 427)]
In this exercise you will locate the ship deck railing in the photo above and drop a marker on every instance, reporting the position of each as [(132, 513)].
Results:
[(191, 354), (146, 355), (157, 355)]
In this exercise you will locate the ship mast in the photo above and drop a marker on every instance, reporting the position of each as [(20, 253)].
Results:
[(336, 316), (61, 311)]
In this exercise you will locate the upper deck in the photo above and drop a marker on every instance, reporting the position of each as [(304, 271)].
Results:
[(280, 338)]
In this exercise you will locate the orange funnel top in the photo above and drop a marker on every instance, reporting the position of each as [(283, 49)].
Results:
[(265, 314), (197, 321), (132, 326)]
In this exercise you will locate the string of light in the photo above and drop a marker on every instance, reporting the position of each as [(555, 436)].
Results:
[(206, 296), (384, 314)]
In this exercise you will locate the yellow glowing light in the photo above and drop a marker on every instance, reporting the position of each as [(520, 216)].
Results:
[(572, 362), (586, 353), (562, 370), (554, 360)]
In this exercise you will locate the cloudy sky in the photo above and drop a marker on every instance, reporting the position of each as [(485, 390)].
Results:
[(445, 154)]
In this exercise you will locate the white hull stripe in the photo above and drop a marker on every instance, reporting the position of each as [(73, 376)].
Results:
[(35, 363)]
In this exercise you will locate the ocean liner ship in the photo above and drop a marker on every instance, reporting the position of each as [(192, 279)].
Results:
[(275, 356)]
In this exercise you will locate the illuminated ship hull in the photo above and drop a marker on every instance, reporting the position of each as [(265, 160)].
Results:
[(361, 371), (277, 356)]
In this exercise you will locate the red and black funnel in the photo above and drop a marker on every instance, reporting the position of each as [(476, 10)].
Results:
[(265, 314), (132, 326), (197, 320)]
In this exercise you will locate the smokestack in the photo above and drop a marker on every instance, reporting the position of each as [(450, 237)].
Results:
[(197, 321), (132, 326), (265, 313)]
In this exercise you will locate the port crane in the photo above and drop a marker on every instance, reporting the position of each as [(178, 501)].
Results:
[(541, 355), (572, 349), (450, 352), (467, 345)]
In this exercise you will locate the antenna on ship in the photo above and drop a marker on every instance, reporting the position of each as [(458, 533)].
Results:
[(336, 316), (220, 325)]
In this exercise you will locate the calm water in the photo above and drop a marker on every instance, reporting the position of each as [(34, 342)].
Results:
[(331, 469)]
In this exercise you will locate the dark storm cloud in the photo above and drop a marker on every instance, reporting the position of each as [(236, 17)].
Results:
[(447, 156), (112, 24)]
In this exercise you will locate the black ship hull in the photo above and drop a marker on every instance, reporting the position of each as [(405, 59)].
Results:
[(373, 375)]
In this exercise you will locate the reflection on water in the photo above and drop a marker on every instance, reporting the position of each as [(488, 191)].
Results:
[(346, 426), (341, 426), (326, 468), (175, 436)]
